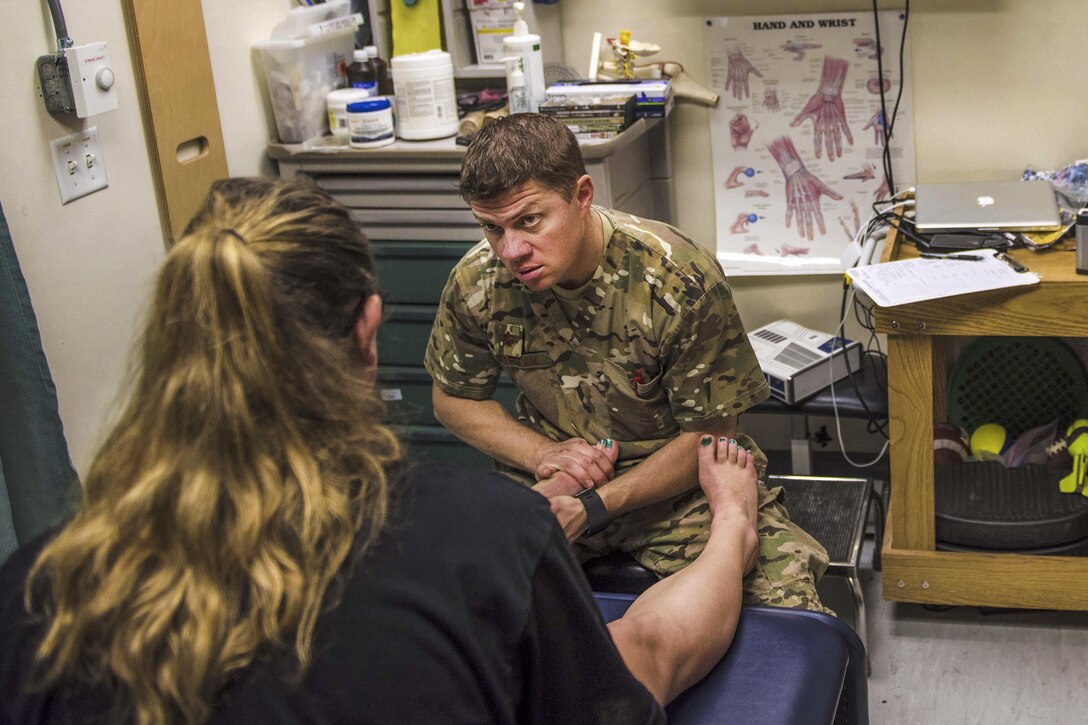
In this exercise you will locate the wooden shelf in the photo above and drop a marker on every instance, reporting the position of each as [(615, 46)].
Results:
[(1056, 307), (988, 580), (914, 571)]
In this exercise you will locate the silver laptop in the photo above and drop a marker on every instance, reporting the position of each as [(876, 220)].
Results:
[(986, 206)]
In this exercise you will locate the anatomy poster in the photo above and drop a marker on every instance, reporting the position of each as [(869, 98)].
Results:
[(798, 135)]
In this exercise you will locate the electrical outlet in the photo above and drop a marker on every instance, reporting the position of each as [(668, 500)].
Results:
[(79, 164)]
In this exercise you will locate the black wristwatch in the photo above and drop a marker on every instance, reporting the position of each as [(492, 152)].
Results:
[(597, 516)]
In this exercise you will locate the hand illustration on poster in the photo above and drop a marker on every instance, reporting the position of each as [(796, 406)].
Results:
[(803, 190), (797, 139), (826, 111), (739, 70), (740, 131)]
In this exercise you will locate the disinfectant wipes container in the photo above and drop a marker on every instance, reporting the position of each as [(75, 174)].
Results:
[(426, 100), (303, 61)]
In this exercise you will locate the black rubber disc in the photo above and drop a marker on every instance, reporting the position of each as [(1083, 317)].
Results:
[(983, 505)]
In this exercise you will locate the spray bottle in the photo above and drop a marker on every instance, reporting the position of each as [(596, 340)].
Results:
[(517, 96), (526, 46)]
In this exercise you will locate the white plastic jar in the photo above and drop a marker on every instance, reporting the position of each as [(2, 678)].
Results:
[(426, 100), (370, 123), (337, 102)]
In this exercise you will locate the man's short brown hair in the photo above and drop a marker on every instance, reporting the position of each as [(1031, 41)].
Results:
[(517, 149)]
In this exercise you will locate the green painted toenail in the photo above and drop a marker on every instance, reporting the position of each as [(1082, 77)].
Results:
[(706, 441)]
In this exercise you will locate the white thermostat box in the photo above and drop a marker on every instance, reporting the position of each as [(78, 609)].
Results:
[(92, 79)]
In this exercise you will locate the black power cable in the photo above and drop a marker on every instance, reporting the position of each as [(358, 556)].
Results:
[(889, 121), (899, 93), (875, 424), (888, 176)]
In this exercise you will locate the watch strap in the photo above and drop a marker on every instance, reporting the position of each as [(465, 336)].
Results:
[(597, 516)]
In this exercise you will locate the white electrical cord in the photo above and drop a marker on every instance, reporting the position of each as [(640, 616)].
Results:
[(865, 240), (834, 399)]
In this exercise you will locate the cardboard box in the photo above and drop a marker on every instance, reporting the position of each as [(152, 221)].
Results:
[(492, 20)]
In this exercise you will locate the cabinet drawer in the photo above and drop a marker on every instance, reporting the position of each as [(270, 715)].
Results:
[(415, 272), (402, 337), (407, 394), (392, 191), (435, 444), (447, 225)]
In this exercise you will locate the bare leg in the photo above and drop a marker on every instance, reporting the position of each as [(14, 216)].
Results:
[(679, 628)]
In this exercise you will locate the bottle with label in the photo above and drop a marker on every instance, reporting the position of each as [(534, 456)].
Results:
[(361, 73), (526, 45), (516, 94), (381, 71), (337, 102)]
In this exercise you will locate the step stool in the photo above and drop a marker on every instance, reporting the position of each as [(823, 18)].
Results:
[(834, 511)]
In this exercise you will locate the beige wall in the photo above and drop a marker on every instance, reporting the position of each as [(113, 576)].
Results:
[(991, 94), (232, 29), (994, 83), (994, 92), (87, 263)]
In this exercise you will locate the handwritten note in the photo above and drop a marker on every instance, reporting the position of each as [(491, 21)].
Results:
[(915, 280)]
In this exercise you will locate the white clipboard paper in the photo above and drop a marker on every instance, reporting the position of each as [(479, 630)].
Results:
[(915, 280)]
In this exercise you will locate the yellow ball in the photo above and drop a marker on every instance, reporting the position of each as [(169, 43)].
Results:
[(989, 440)]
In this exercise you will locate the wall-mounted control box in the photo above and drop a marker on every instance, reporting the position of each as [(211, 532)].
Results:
[(92, 79), (80, 81)]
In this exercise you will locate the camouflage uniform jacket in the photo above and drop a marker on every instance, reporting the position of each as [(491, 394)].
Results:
[(656, 347)]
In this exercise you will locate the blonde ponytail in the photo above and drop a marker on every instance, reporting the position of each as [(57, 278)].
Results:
[(249, 462)]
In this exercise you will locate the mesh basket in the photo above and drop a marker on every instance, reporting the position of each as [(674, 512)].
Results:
[(1019, 382)]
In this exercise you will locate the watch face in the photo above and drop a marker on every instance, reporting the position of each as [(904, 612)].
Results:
[(597, 516)]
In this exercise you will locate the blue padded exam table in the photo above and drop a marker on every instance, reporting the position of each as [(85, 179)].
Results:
[(784, 667)]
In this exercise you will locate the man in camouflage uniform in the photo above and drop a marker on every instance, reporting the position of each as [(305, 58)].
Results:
[(617, 330)]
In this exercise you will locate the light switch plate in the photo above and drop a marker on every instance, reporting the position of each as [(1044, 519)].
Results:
[(79, 164)]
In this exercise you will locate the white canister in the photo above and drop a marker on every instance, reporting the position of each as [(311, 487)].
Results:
[(370, 123), (337, 102), (426, 101)]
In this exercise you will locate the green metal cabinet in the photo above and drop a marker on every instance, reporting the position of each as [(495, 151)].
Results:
[(405, 197)]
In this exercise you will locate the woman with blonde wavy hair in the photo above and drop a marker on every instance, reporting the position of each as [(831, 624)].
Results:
[(249, 549)]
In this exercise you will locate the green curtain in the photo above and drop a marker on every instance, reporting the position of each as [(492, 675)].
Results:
[(38, 484)]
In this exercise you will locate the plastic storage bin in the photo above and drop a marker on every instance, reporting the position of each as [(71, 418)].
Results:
[(305, 59)]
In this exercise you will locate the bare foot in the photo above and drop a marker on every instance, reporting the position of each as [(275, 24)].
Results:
[(729, 479)]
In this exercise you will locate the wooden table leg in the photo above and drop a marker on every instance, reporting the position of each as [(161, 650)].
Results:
[(910, 411)]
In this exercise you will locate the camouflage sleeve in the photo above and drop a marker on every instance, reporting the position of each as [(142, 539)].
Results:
[(713, 371), (458, 357)]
